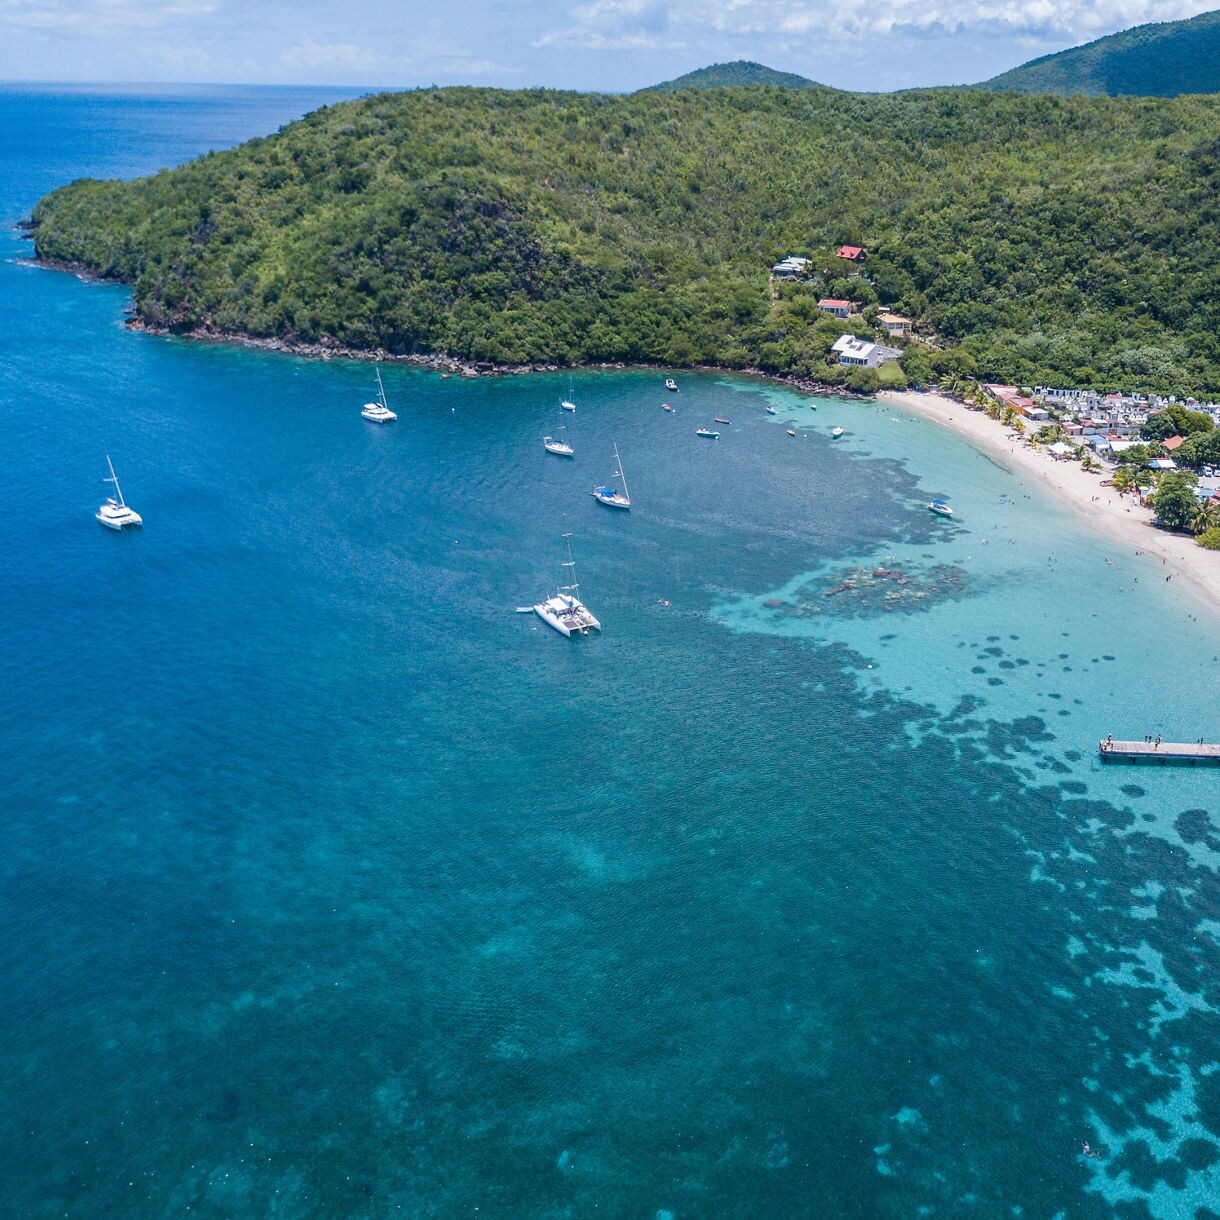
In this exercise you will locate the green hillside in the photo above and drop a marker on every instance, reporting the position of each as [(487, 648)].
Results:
[(739, 72), (1067, 239), (1162, 60)]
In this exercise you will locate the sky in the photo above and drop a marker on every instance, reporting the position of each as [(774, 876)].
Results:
[(609, 45)]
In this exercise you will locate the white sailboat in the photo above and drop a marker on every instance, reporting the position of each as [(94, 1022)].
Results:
[(114, 514), (378, 411), (558, 444), (569, 404), (610, 496), (565, 611)]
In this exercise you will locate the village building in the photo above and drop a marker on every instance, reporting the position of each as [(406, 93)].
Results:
[(840, 309), (1010, 396), (794, 267), (895, 324), (853, 254), (859, 353)]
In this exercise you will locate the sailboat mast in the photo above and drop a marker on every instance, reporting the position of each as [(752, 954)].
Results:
[(569, 563), (618, 461), (114, 478), (380, 387)]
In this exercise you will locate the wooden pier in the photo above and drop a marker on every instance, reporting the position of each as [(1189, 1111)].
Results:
[(1190, 753)]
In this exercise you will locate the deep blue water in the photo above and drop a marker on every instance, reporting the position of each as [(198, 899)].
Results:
[(331, 886)]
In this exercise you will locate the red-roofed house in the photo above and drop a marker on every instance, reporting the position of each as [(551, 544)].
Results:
[(1173, 442), (840, 309), (853, 254)]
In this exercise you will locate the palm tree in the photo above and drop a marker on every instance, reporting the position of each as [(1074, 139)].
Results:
[(1206, 517), (1088, 461), (1124, 480)]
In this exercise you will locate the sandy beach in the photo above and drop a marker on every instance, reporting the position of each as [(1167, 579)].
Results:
[(1103, 508)]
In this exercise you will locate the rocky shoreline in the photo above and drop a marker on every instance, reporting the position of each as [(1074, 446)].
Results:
[(438, 362)]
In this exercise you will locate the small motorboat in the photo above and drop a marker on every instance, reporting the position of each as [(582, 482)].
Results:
[(791, 431), (666, 407), (941, 507), (772, 411), (836, 433), (707, 434), (671, 385), (718, 420)]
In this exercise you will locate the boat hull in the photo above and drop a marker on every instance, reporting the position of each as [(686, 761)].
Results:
[(119, 521), (568, 616), (611, 499)]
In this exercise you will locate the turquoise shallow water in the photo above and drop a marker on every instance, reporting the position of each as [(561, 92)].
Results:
[(333, 887)]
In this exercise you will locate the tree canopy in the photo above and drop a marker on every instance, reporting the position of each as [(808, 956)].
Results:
[(1048, 240)]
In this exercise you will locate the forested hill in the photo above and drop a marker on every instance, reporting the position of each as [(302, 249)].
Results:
[(739, 72), (1161, 60), (1069, 240)]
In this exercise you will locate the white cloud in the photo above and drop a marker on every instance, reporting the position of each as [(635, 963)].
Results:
[(669, 24), (311, 56), (102, 18)]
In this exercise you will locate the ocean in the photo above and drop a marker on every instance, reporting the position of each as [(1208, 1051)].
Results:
[(334, 887)]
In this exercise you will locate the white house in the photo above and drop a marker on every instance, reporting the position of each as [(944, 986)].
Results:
[(859, 353), (791, 268)]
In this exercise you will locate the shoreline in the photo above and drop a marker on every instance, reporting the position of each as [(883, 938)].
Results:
[(1102, 508), (439, 362), (1128, 524)]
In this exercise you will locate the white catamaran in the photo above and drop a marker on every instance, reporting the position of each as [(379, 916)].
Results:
[(114, 514), (565, 611), (611, 496), (378, 411)]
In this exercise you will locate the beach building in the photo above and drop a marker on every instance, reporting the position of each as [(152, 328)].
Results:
[(1162, 464), (830, 305), (853, 254), (1173, 443), (895, 324), (859, 353)]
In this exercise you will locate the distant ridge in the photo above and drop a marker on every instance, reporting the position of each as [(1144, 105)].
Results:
[(1160, 60), (739, 72)]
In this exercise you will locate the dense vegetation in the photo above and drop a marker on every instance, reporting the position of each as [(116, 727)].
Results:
[(1161, 60), (739, 72), (1043, 239)]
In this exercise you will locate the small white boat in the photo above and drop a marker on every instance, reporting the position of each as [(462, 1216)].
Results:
[(836, 433), (378, 412), (565, 611), (558, 444), (721, 420), (941, 508), (772, 411), (671, 385), (611, 497), (114, 514), (568, 404), (666, 407), (707, 434), (791, 431)]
